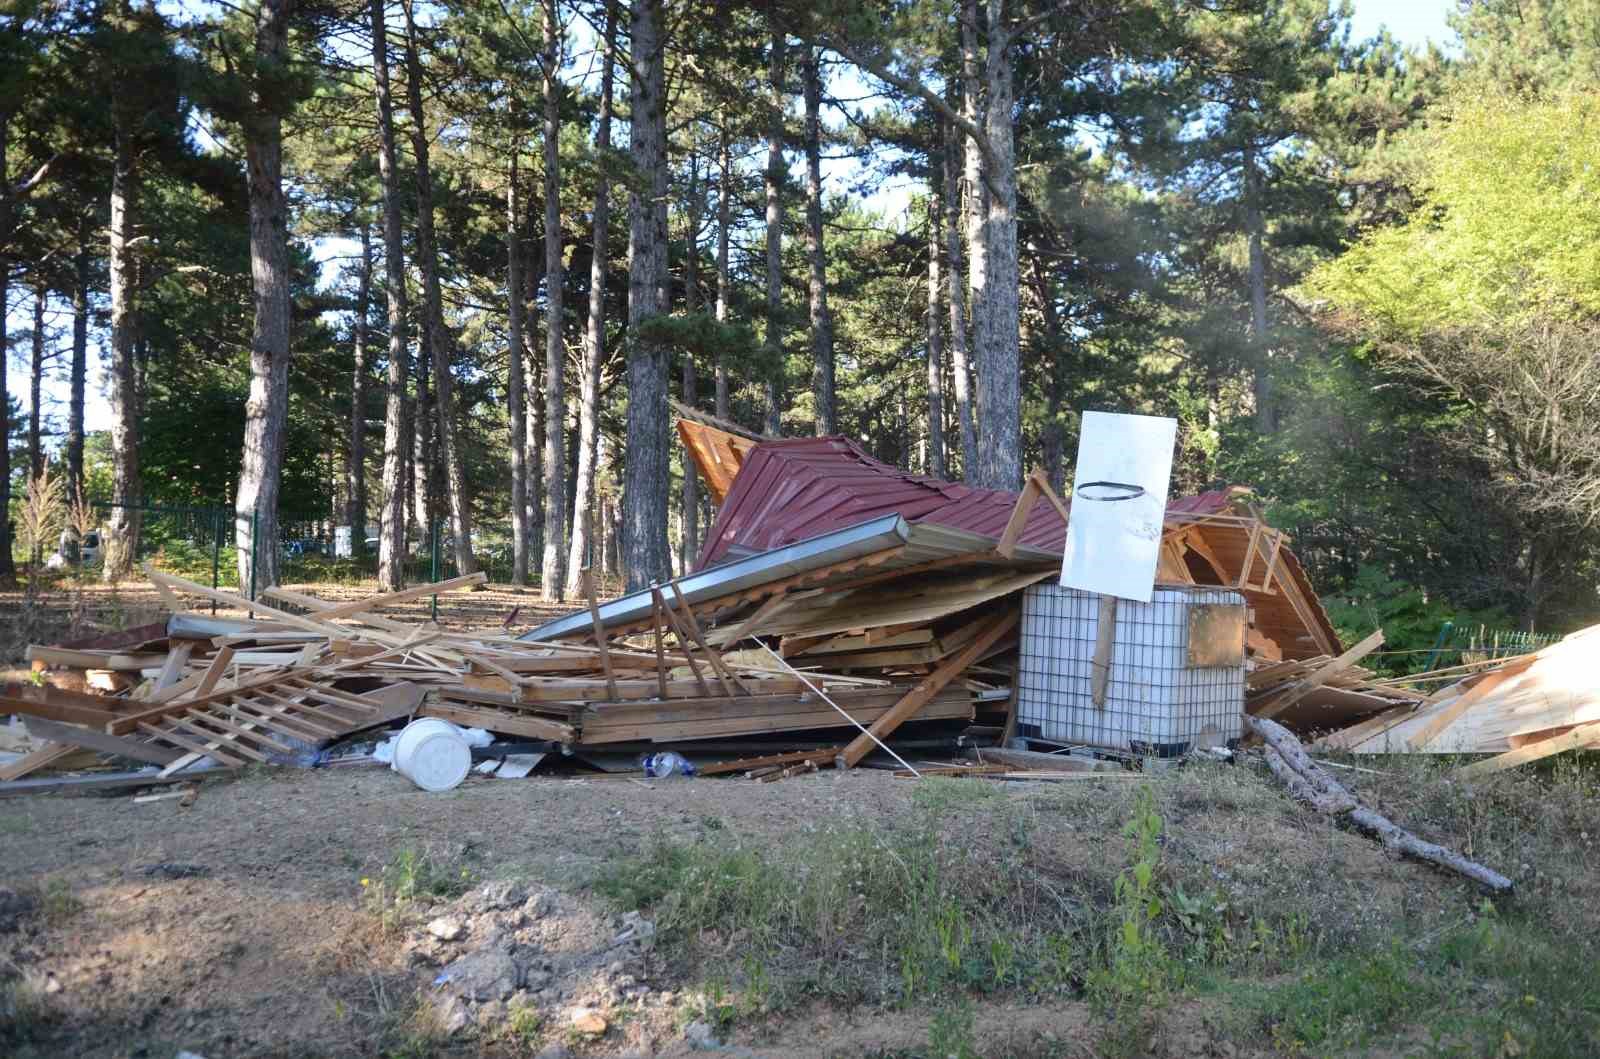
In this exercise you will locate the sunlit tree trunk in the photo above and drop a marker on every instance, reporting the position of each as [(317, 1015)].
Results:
[(355, 515), (773, 343), (80, 367), (122, 523), (516, 388), (822, 380), (1260, 339), (552, 580), (441, 342), (975, 209), (36, 387), (690, 499), (935, 324), (960, 371), (997, 337), (644, 519), (724, 281), (594, 341), (396, 441), (266, 411)]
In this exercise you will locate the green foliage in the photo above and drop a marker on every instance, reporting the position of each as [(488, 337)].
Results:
[(1137, 970), (1411, 620)]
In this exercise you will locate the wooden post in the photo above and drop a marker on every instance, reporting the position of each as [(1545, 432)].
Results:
[(1105, 629), (599, 631)]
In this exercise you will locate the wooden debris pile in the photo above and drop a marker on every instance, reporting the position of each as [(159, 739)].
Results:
[(1519, 709)]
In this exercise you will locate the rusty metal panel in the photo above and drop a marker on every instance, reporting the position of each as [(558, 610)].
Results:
[(1216, 635)]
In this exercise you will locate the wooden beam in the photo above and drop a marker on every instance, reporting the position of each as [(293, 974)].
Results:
[(773, 605), (1019, 518), (1319, 677), (502, 721), (683, 637), (56, 704), (404, 595), (90, 739), (1447, 713), (599, 629), (38, 759), (1578, 738), (1105, 630), (730, 683), (928, 687)]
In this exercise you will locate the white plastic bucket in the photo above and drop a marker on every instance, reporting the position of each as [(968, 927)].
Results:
[(432, 754)]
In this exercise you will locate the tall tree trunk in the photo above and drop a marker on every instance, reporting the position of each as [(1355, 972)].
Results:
[(80, 366), (425, 508), (122, 524), (396, 440), (724, 281), (594, 338), (355, 514), (552, 579), (36, 387), (1053, 434), (690, 499), (999, 341), (644, 530), (936, 463), (822, 386), (1260, 339), (255, 525), (516, 387), (773, 343), (440, 340), (7, 564), (533, 373), (975, 210), (960, 371)]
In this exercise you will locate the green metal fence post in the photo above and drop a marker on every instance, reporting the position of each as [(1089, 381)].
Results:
[(434, 571)]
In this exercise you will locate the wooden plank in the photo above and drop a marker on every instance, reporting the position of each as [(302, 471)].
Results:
[(38, 759), (501, 721), (284, 724), (722, 768), (177, 724), (683, 638), (1216, 635), (90, 739), (655, 629), (1448, 713), (1029, 759), (177, 660), (1249, 556), (1319, 677), (219, 666), (801, 718), (1105, 628), (773, 605), (1007, 548), (195, 749), (929, 686), (730, 683), (56, 704), (229, 728), (599, 629), (1580, 737), (404, 595)]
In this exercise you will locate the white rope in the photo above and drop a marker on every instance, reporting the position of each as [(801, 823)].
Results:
[(824, 696)]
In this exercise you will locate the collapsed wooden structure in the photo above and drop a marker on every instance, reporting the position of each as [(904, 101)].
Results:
[(837, 601)]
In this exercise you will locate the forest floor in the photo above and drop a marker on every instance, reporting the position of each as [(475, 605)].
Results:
[(291, 913)]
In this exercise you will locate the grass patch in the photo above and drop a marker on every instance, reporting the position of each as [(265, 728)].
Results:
[(415, 875)]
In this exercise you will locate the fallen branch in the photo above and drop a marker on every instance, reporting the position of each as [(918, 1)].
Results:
[(1308, 783)]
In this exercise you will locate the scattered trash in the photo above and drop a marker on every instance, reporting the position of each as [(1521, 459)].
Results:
[(658, 766), (433, 754)]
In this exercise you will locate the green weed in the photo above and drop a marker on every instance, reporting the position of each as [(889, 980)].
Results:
[(950, 1034)]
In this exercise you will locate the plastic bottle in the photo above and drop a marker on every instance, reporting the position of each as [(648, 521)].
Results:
[(668, 763)]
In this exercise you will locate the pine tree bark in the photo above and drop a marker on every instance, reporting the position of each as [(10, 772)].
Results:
[(355, 514), (552, 578), (36, 388), (122, 523), (1053, 434), (440, 340), (961, 372), (516, 387), (80, 367), (396, 440), (424, 502), (773, 342), (533, 372), (822, 372), (255, 524), (689, 499), (644, 518), (594, 340), (7, 564), (1260, 339), (999, 339), (724, 280), (936, 462), (975, 210)]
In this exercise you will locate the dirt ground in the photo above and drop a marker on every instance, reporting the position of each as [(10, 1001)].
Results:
[(241, 926)]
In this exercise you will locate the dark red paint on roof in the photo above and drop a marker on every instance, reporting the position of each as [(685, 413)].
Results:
[(790, 490)]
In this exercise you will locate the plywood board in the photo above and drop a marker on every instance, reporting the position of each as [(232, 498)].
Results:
[(1216, 635)]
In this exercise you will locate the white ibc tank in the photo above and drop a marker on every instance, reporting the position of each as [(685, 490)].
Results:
[(432, 754)]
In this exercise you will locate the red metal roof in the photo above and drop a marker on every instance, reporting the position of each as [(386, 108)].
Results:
[(796, 488)]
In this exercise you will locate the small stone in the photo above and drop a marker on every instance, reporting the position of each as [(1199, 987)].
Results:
[(487, 974), (588, 1022), (452, 1015), (52, 985), (446, 928), (701, 1037), (537, 907), (555, 1051), (501, 893)]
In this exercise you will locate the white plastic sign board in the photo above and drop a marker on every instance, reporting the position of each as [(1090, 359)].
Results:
[(1119, 500)]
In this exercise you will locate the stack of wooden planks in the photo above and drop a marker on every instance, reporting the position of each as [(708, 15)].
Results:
[(1519, 709)]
